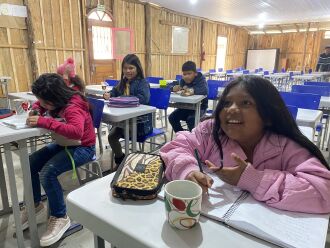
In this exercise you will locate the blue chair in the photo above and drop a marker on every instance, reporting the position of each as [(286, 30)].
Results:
[(220, 83), (96, 170), (212, 94), (199, 70), (212, 70), (256, 70), (293, 110), (310, 71), (178, 77), (313, 89), (283, 70), (246, 72), (220, 69), (111, 82), (266, 72), (229, 71), (301, 100), (159, 98), (319, 90), (154, 80), (261, 69), (324, 84)]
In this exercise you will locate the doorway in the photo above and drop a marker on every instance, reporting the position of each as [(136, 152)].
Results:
[(101, 59)]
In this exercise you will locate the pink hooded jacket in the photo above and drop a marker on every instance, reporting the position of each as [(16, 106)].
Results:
[(282, 174), (78, 123)]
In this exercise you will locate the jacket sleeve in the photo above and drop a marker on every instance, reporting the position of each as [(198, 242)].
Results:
[(72, 128), (200, 88), (171, 85), (143, 92), (303, 185), (178, 154)]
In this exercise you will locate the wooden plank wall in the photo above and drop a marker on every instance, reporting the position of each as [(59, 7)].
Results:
[(292, 47), (13, 50)]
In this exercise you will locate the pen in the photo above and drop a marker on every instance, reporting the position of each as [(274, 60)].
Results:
[(199, 165)]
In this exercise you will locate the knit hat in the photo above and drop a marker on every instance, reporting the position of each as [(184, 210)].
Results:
[(67, 67)]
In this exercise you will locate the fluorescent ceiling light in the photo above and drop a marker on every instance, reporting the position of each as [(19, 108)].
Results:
[(289, 30), (273, 32), (193, 1), (312, 29), (302, 29), (257, 32)]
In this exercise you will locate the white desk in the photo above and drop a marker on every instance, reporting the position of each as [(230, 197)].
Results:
[(188, 102), (308, 117), (306, 77), (96, 89), (143, 223), (23, 95), (325, 102), (119, 116), (8, 135)]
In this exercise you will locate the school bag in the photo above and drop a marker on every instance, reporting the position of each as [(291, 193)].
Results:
[(5, 113), (124, 102), (139, 177)]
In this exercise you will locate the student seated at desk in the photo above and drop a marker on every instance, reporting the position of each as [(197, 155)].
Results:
[(132, 83), (76, 130), (68, 71), (191, 79), (253, 142)]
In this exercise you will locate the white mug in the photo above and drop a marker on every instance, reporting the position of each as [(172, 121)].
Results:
[(183, 202)]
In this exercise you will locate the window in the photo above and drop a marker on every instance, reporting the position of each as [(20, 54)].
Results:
[(327, 35), (221, 52), (180, 39)]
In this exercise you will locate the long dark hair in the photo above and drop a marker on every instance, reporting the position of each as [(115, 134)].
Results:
[(77, 81), (130, 59), (51, 87), (272, 110)]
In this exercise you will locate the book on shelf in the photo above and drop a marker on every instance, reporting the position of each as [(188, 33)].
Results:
[(240, 210)]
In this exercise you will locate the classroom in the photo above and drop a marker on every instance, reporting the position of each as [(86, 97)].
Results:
[(163, 123)]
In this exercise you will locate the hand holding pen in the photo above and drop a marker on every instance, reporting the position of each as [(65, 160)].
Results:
[(200, 177)]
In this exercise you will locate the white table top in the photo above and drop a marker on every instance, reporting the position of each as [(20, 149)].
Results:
[(111, 114), (96, 89), (325, 102), (186, 99), (306, 76), (23, 95), (8, 134), (308, 117), (143, 223), (277, 75)]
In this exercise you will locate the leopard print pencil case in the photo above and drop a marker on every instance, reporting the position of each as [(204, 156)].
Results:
[(139, 177)]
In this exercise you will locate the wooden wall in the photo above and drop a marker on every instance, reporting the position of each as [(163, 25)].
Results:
[(55, 30), (298, 49)]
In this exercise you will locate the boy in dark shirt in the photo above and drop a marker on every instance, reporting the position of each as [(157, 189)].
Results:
[(323, 64), (194, 81)]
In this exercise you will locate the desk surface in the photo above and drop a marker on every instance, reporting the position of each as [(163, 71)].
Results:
[(8, 134), (111, 114), (186, 99), (23, 95), (143, 223), (96, 89), (308, 117)]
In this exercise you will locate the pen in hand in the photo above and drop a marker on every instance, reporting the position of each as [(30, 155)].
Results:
[(199, 165)]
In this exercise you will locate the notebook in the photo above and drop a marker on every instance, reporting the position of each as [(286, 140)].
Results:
[(240, 210), (15, 121)]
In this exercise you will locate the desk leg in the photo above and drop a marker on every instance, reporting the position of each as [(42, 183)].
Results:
[(126, 137), (14, 197), (134, 135), (3, 187), (98, 242), (197, 113), (28, 195)]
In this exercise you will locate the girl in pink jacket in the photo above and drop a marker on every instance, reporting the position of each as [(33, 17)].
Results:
[(253, 142)]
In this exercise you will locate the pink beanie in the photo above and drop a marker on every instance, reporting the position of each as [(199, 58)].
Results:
[(68, 66)]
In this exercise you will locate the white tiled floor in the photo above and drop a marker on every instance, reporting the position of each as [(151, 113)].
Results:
[(83, 238)]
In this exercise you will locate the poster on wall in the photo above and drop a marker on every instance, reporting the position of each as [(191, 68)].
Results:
[(262, 58)]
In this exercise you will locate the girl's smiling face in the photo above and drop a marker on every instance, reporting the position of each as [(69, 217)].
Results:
[(240, 119), (129, 71)]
